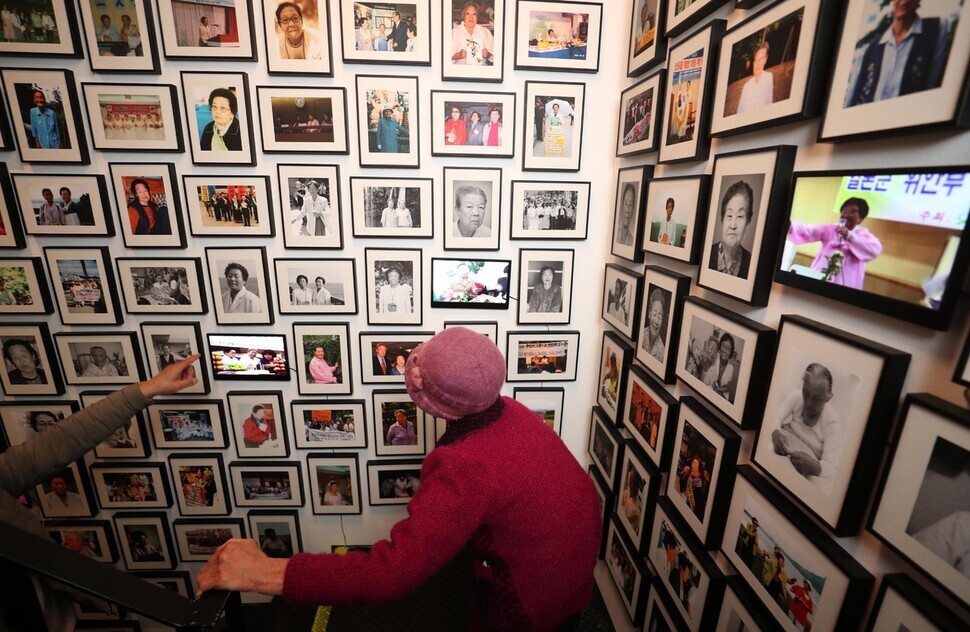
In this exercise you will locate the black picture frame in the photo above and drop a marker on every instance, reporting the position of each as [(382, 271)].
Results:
[(399, 401), (152, 302), (17, 422), (605, 447), (797, 354), (622, 559), (162, 176), (6, 134), (13, 236), (157, 485), (481, 103), (677, 24), (648, 47), (771, 168), (238, 403), (924, 609), (101, 531), (196, 85), (396, 344), (638, 128), (260, 469), (649, 414), (622, 292), (639, 488), (493, 72), (157, 334), (325, 336), (553, 155), (541, 366), (190, 507), (697, 433), (189, 414), (321, 470), (167, 110), (66, 22), (523, 225), (606, 499), (930, 439), (123, 345), (128, 442), (746, 412), (870, 183), (690, 230), (406, 89), (774, 26), (740, 604), (375, 495), (663, 293), (560, 63), (538, 400), (272, 135), (20, 343), (627, 235), (214, 256), (208, 50), (611, 390), (321, 36), (116, 60), (961, 372), (756, 499), (531, 309), (162, 551), (291, 517), (217, 530), (365, 191), (690, 142), (292, 194), (34, 297), (944, 106), (106, 285), (75, 504), (95, 208), (179, 582)]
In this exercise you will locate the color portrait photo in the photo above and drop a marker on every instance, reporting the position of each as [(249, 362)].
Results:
[(554, 132), (41, 109), (473, 38)]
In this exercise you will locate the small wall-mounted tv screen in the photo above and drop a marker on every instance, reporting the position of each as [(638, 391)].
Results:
[(883, 240), (470, 284), (248, 357)]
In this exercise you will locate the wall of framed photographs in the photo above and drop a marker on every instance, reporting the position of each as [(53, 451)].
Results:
[(314, 189), (738, 314)]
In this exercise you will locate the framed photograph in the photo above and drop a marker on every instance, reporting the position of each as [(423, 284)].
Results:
[(681, 16), (120, 37), (676, 217), (615, 358), (316, 286), (386, 32), (323, 358), (57, 36), (542, 356), (627, 570), (829, 396), (961, 374), (622, 291), (30, 366), (267, 483), (257, 357), (83, 285), (148, 205), (12, 233), (628, 206), (388, 352), (472, 208), (393, 482), (932, 89), (100, 358), (701, 478), (200, 484), (129, 441), (851, 233), (640, 113), (123, 115), (387, 119), (717, 355), (298, 39), (684, 568), (545, 286), (194, 29), (169, 342), (335, 486), (605, 447), (79, 208), (297, 119), (768, 541), (659, 607), (199, 538), (277, 531), (66, 493), (131, 485), (332, 424), (46, 114), (92, 539), (560, 36), (902, 603), (162, 286), (473, 40), (648, 36), (400, 427), (394, 287), (258, 424), (218, 116), (605, 497), (553, 136), (772, 67), (742, 610), (548, 403), (488, 328), (745, 221), (22, 420), (649, 411), (392, 207), (664, 293), (549, 210), (146, 542), (690, 86), (229, 206), (188, 424), (639, 484), (310, 206), (178, 582), (242, 295), (22, 287), (921, 500), (473, 124)]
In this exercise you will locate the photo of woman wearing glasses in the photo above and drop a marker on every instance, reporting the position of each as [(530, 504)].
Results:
[(222, 133)]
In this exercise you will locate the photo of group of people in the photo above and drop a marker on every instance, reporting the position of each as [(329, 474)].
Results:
[(677, 567), (714, 357), (325, 425), (473, 124), (392, 207), (226, 360), (399, 483), (547, 356), (203, 541), (121, 487), (303, 119), (621, 565), (266, 485), (643, 414), (696, 457), (220, 205), (300, 291), (132, 117), (198, 485), (385, 27), (185, 426), (558, 35), (168, 285), (70, 206), (546, 209), (335, 485), (553, 134), (29, 21), (637, 118)]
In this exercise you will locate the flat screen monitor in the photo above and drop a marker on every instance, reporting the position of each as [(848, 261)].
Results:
[(249, 357)]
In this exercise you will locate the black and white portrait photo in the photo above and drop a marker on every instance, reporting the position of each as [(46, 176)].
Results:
[(472, 208), (242, 289), (656, 324), (713, 357), (545, 284), (29, 365), (321, 286), (393, 286), (735, 224)]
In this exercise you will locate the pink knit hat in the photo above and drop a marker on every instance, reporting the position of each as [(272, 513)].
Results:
[(457, 373)]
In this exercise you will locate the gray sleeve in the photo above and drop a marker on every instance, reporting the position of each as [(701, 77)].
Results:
[(33, 461)]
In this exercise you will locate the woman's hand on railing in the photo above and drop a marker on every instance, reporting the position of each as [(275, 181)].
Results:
[(240, 564)]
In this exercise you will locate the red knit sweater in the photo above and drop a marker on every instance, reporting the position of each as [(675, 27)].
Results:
[(503, 483)]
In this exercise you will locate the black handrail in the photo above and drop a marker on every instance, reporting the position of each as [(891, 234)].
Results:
[(46, 558)]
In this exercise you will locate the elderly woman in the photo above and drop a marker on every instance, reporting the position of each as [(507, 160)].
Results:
[(654, 340), (547, 297), (302, 295), (316, 210), (626, 217), (22, 355), (398, 367), (294, 40), (476, 129), (728, 256), (223, 132), (721, 372), (320, 371), (394, 296), (471, 43), (144, 214)]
